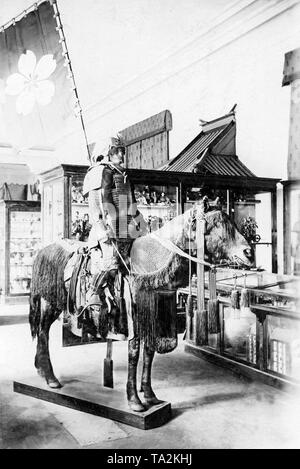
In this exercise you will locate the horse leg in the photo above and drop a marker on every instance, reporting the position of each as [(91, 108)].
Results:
[(146, 387), (42, 358), (133, 358)]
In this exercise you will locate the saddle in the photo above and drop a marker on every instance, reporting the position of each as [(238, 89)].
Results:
[(110, 314), (154, 310)]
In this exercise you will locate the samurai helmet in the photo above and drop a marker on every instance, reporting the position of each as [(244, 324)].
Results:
[(116, 143)]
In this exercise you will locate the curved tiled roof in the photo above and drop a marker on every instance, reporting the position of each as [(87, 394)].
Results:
[(186, 160), (223, 165), (210, 152)]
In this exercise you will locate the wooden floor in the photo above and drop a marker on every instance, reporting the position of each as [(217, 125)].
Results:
[(211, 407)]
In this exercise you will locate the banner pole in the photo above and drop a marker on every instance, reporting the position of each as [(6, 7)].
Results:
[(66, 54)]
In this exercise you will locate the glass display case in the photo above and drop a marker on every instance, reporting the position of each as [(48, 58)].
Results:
[(263, 336), (291, 220), (20, 227), (158, 204), (2, 248), (64, 209), (217, 197), (253, 213), (240, 333)]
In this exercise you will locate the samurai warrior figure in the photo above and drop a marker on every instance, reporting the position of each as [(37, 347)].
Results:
[(113, 213)]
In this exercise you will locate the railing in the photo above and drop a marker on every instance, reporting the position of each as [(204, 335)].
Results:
[(264, 336)]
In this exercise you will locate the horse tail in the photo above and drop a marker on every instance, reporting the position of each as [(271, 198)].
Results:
[(47, 282), (34, 300)]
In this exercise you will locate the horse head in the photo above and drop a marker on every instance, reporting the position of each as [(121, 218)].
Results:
[(223, 241)]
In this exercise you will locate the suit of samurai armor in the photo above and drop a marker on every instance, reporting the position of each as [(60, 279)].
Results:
[(113, 215)]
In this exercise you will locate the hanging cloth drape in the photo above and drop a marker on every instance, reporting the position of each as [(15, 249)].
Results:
[(36, 99)]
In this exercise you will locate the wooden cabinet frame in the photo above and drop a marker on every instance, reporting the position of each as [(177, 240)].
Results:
[(11, 206)]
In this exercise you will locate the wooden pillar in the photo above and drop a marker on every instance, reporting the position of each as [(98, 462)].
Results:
[(67, 210), (187, 324), (7, 251), (286, 229), (228, 202), (274, 230), (181, 198), (222, 330), (200, 318)]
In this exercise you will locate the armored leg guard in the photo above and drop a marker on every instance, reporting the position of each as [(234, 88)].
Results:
[(98, 282)]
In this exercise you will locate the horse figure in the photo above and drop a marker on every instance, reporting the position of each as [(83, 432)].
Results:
[(154, 265)]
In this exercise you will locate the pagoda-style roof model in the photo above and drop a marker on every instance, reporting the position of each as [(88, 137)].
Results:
[(212, 152)]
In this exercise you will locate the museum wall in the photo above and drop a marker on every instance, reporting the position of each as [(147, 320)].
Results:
[(243, 67), (153, 59), (197, 66)]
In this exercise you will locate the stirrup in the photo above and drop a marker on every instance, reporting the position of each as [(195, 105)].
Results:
[(94, 300)]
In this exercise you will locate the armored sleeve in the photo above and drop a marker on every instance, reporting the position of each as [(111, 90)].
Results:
[(100, 198), (107, 185), (95, 205)]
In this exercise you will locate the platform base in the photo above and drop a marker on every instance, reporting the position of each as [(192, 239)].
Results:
[(94, 399)]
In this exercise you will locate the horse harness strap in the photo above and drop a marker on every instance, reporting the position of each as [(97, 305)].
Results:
[(121, 257), (173, 248)]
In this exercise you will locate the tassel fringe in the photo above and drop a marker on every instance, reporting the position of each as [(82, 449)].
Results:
[(189, 306), (235, 299), (245, 298), (213, 316)]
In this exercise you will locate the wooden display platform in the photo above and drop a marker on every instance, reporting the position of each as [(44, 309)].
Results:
[(97, 400)]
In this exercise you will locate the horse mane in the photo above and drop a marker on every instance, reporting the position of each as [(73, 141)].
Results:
[(218, 218)]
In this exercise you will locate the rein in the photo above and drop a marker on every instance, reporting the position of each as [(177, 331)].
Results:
[(172, 247), (177, 250)]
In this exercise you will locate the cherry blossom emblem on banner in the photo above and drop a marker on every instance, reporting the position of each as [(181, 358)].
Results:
[(32, 84)]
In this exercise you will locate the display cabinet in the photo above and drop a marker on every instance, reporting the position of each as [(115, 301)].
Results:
[(20, 233), (261, 340), (157, 203), (64, 209)]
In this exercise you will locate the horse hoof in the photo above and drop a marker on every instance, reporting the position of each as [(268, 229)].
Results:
[(136, 406), (54, 384), (152, 401)]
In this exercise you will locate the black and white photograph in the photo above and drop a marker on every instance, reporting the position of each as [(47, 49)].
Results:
[(150, 227)]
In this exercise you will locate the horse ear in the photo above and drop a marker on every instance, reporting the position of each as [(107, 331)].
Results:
[(205, 204)]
